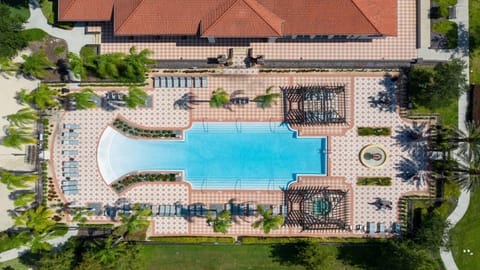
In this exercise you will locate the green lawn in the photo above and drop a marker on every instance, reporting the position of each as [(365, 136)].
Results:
[(474, 29), (14, 265), (450, 29), (448, 114), (466, 235), (209, 257), (34, 34)]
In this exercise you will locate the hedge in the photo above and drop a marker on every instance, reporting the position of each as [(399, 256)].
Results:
[(192, 240), (374, 181), (374, 131), (95, 226), (251, 240)]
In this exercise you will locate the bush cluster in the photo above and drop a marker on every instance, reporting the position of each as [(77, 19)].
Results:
[(140, 132), (129, 180)]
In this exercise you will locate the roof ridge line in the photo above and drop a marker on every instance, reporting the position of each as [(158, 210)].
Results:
[(221, 16), (263, 19), (129, 15), (366, 17)]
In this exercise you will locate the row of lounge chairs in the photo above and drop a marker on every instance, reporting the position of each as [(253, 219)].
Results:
[(70, 167), (69, 187), (180, 82)]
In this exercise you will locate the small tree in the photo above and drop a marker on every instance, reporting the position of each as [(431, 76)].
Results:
[(108, 65), (219, 98), (42, 98), (25, 116), (135, 97), (77, 65), (16, 138), (221, 223), (136, 64), (84, 98), (34, 65), (38, 220), (24, 199), (268, 222), (16, 181), (266, 100)]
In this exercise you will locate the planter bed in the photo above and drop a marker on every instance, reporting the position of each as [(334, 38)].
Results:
[(130, 180), (374, 181), (374, 131), (130, 130)]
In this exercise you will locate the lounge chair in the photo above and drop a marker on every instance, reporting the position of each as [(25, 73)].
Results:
[(71, 126), (284, 210), (163, 82), (70, 163), (70, 169), (235, 209), (70, 152), (191, 210), (204, 82), (172, 210), (182, 82), (154, 210), (371, 227), (251, 210), (275, 210), (69, 183), (241, 209), (70, 192), (65, 174), (197, 82), (156, 82), (169, 81), (188, 81), (178, 210), (175, 82), (70, 142), (161, 210)]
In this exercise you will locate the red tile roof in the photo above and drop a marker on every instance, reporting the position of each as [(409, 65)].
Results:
[(85, 10), (243, 18)]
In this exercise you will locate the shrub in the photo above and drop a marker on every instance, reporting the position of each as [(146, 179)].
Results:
[(374, 181), (96, 226), (252, 240), (374, 131), (192, 240)]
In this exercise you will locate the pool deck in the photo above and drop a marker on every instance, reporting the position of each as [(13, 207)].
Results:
[(343, 156)]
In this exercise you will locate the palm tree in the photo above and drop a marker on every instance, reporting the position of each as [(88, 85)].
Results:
[(23, 96), (219, 98), (16, 181), (79, 214), (108, 65), (34, 65), (39, 244), (106, 252), (38, 220), (135, 222), (466, 172), (221, 222), (268, 221), (43, 97), (135, 97), (7, 66), (266, 100), (84, 98), (16, 138), (77, 65), (23, 117), (24, 199), (136, 64)]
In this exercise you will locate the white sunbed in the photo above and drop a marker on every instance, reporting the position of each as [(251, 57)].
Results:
[(70, 163), (188, 81), (69, 183), (70, 134), (66, 174), (70, 192), (182, 82), (163, 82), (70, 169), (169, 81), (156, 82), (175, 82), (70, 142), (71, 126), (70, 152), (204, 82), (197, 82)]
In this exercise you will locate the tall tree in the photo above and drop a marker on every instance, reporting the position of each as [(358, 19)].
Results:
[(108, 65), (17, 137), (34, 65), (135, 222), (16, 181), (468, 142), (106, 252), (23, 117), (136, 64), (42, 98), (268, 221), (39, 219), (10, 38), (84, 98), (266, 100), (135, 97), (437, 87), (466, 172), (219, 98)]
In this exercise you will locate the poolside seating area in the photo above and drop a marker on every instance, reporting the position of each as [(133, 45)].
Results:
[(377, 229), (70, 166), (180, 82)]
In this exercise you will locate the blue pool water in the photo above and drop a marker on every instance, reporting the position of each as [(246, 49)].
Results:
[(219, 155)]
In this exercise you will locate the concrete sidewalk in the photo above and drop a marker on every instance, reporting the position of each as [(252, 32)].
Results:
[(75, 38)]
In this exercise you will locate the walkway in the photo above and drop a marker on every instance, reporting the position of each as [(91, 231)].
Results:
[(17, 252), (75, 38), (460, 52)]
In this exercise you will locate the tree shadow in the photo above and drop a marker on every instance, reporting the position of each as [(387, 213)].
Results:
[(462, 48), (186, 102), (287, 254), (386, 100), (413, 139)]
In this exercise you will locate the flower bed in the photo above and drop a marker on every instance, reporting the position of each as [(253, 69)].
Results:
[(374, 131), (130, 130), (374, 181), (130, 180)]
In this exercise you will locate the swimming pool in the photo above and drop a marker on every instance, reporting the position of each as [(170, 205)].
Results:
[(236, 155)]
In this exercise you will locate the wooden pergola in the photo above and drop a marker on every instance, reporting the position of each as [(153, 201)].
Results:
[(314, 104), (303, 204)]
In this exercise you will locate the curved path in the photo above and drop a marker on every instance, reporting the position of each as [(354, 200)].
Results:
[(76, 38), (460, 52)]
